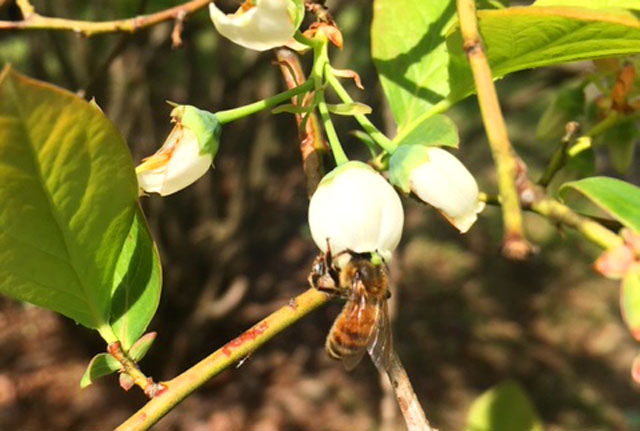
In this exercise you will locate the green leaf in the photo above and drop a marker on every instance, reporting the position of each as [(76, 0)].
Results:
[(347, 109), (142, 346), (620, 140), (68, 198), (523, 38), (290, 108), (503, 408), (409, 51), (592, 4), (101, 365), (422, 75), (136, 285), (630, 300), (438, 130), (618, 198)]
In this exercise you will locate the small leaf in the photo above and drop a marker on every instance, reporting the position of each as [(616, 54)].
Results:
[(438, 130), (137, 284), (630, 300), (635, 369), (101, 365), (618, 198), (126, 381), (355, 108), (615, 262), (505, 407), (142, 346), (292, 109)]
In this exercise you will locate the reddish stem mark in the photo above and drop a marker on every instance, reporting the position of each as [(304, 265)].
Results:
[(249, 335)]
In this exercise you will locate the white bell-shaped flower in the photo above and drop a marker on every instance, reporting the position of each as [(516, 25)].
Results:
[(260, 24), (438, 178), (355, 208), (186, 155)]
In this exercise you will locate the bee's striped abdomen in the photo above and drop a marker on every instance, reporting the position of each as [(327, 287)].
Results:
[(351, 332)]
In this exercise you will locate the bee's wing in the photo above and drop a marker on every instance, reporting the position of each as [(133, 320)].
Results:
[(355, 319), (381, 344)]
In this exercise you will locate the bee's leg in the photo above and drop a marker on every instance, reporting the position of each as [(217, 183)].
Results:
[(387, 295), (327, 284), (327, 255)]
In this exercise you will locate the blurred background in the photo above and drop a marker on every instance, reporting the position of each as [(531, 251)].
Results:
[(236, 246)]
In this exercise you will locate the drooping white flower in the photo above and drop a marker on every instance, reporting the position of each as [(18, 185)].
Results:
[(186, 155), (260, 24), (438, 178), (355, 208)]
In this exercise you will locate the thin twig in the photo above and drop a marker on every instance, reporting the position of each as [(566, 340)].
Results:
[(557, 212), (515, 244), (559, 157), (312, 143), (34, 21), (407, 400), (178, 388), (590, 229), (150, 388)]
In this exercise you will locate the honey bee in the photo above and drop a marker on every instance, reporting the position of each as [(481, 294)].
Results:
[(363, 324)]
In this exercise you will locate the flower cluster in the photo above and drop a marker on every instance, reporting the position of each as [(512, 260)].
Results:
[(354, 207)]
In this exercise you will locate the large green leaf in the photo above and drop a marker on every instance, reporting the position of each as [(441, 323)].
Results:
[(422, 72), (618, 198), (68, 192), (503, 408), (137, 284), (438, 130), (409, 50), (520, 38)]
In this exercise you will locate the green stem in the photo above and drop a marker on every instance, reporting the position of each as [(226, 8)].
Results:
[(243, 111), (336, 148), (559, 157), (610, 121), (107, 334), (556, 212), (318, 74), (379, 137), (591, 230), (178, 388)]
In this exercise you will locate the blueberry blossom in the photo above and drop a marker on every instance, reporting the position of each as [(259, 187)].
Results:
[(260, 24), (439, 179), (186, 155), (355, 208)]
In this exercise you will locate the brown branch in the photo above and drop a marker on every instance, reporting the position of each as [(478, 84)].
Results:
[(407, 400), (34, 21), (312, 143)]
